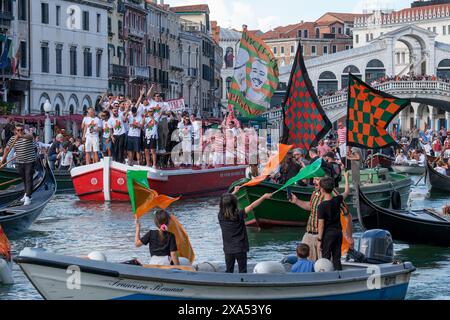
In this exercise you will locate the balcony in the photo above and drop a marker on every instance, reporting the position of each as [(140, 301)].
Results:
[(191, 73), (136, 33), (118, 71), (139, 72), (5, 19)]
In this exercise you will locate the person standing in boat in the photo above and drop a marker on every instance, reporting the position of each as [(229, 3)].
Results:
[(234, 231), (25, 149), (311, 237), (91, 127), (117, 123), (329, 215), (162, 243)]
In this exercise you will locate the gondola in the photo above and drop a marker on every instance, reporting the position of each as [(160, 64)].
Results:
[(379, 160), (422, 226), (438, 181), (17, 191), (16, 218)]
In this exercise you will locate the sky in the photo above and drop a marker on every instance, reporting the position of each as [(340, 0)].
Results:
[(268, 14)]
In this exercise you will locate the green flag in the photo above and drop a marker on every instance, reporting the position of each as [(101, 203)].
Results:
[(308, 172), (139, 177)]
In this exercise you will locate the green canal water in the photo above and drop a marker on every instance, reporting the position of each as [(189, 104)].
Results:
[(71, 227)]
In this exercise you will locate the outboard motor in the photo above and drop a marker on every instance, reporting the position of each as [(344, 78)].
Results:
[(377, 246)]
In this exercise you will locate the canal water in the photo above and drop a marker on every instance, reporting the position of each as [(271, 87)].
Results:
[(70, 227)]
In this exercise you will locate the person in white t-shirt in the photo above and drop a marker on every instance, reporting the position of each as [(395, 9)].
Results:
[(185, 133), (135, 126), (150, 138), (106, 134), (117, 124), (65, 158), (91, 127)]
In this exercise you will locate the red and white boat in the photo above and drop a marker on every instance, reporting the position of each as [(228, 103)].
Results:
[(107, 181)]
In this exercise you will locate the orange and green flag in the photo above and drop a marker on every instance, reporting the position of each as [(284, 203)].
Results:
[(5, 247), (255, 76), (143, 199), (369, 113), (271, 165)]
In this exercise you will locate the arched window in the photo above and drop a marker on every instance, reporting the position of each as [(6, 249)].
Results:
[(375, 70), (57, 110), (42, 109), (443, 70), (327, 83), (71, 109), (345, 74)]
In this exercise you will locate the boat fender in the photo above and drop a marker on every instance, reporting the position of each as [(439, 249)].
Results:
[(97, 256), (5, 273), (396, 200), (184, 261), (323, 265), (269, 267), (206, 267)]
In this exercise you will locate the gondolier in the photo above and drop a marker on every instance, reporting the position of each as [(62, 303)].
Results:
[(25, 149)]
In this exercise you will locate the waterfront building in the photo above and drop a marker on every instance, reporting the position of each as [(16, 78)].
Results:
[(117, 70)]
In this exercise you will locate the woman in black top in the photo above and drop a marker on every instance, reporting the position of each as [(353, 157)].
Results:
[(163, 247), (234, 232)]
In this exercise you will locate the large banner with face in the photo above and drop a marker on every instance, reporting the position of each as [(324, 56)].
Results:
[(255, 77)]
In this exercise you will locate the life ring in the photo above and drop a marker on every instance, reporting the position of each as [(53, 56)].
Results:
[(396, 200)]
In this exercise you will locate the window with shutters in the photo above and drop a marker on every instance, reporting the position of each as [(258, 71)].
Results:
[(22, 10), (44, 13), (98, 66), (23, 54), (87, 62), (99, 23), (59, 49), (45, 67), (86, 20), (58, 16), (73, 61)]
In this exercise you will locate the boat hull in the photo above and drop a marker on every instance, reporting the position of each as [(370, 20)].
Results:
[(413, 170), (407, 226), (438, 181), (379, 160), (101, 281), (106, 181), (278, 211), (16, 218), (63, 179)]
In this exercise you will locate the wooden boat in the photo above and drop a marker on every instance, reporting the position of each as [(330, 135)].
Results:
[(438, 181), (107, 181), (63, 179), (16, 218), (106, 280), (412, 169), (16, 191), (422, 226), (379, 160), (378, 184)]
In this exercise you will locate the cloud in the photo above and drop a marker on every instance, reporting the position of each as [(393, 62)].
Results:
[(268, 23)]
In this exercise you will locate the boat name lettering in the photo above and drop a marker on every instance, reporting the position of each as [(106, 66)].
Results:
[(139, 286), (231, 174), (390, 281)]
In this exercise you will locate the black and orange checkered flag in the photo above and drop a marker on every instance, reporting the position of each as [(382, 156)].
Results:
[(368, 115)]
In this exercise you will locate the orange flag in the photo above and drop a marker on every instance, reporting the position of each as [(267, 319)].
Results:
[(147, 199), (5, 248), (183, 244), (345, 244), (271, 165)]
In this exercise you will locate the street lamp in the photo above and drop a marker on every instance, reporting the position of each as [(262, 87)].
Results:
[(48, 123)]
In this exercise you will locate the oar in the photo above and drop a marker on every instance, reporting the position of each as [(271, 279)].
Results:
[(10, 181), (4, 165)]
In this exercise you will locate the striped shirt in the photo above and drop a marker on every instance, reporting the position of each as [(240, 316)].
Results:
[(313, 221), (25, 150), (342, 135)]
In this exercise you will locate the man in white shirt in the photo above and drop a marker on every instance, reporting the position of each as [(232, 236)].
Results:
[(135, 123), (401, 158), (65, 158), (91, 127), (117, 124)]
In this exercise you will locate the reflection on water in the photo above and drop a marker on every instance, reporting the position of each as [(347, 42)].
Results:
[(71, 227)]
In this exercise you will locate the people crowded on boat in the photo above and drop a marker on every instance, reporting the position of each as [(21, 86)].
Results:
[(162, 243), (442, 167), (401, 158)]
